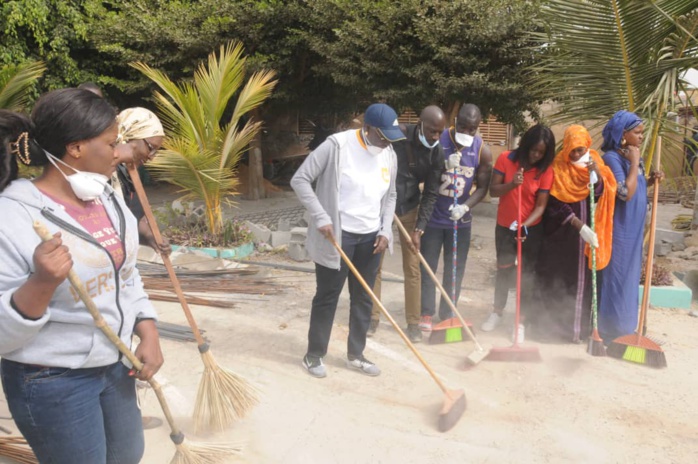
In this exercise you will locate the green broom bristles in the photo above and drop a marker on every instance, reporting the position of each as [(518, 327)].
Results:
[(627, 349)]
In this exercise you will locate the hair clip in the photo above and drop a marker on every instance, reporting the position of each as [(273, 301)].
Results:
[(16, 148)]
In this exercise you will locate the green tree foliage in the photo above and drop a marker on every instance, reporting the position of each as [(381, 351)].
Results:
[(53, 31), (412, 52), (17, 83)]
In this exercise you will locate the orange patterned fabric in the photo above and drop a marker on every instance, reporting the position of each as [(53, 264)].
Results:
[(571, 184)]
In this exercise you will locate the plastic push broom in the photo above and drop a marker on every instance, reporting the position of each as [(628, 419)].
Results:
[(480, 353), (595, 346), (454, 400), (449, 331), (516, 352), (187, 453)]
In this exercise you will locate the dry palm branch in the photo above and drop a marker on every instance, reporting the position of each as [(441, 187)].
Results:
[(223, 396), (187, 452)]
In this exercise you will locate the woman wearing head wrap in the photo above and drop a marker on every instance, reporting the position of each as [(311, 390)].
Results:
[(141, 135), (618, 291), (563, 270)]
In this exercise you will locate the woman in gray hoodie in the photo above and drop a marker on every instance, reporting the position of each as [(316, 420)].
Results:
[(67, 386)]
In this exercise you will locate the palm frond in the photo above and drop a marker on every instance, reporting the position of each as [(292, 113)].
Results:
[(201, 152), (16, 82)]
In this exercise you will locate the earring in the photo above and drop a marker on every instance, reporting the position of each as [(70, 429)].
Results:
[(623, 141)]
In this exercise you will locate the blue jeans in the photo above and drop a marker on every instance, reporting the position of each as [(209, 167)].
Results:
[(433, 241), (359, 249), (75, 416)]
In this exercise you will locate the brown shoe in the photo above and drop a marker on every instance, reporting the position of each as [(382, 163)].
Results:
[(150, 422), (372, 328)]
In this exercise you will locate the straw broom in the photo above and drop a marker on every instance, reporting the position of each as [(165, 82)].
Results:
[(187, 453), (223, 396), (17, 449)]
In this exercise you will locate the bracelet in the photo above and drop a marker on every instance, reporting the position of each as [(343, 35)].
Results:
[(420, 231)]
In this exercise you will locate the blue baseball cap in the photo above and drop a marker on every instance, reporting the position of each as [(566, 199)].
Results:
[(384, 118)]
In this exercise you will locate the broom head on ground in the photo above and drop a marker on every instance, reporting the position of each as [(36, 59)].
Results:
[(448, 331), (638, 349)]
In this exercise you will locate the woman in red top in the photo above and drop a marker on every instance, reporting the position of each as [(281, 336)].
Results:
[(524, 172)]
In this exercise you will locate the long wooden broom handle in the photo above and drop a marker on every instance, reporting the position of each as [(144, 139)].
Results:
[(650, 246), (385, 312), (100, 323), (405, 234), (133, 172)]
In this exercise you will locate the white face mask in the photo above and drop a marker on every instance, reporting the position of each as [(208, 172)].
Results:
[(87, 186), (583, 160), (372, 149), (465, 140)]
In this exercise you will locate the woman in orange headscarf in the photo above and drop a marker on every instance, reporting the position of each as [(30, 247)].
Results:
[(563, 270)]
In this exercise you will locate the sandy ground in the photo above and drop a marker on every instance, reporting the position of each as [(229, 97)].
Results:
[(569, 408)]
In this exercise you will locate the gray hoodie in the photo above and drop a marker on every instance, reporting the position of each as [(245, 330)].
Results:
[(324, 166), (66, 335)]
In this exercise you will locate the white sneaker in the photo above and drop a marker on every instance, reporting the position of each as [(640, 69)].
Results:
[(521, 334), (491, 323), (364, 365)]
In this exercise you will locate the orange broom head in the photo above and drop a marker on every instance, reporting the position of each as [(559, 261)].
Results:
[(596, 346), (515, 353), (447, 331), (638, 349)]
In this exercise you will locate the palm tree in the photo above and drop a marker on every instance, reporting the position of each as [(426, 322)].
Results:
[(17, 82), (204, 145), (599, 56)]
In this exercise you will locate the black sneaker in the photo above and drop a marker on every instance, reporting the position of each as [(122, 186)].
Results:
[(314, 366), (414, 333), (372, 328)]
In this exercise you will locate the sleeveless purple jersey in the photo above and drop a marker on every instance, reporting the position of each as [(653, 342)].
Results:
[(465, 174)]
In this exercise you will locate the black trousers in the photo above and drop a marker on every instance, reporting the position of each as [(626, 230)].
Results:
[(359, 248), (505, 244)]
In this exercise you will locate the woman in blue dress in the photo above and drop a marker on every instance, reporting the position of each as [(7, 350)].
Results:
[(619, 281)]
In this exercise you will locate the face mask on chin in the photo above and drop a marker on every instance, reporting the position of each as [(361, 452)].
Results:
[(583, 160), (423, 139), (87, 186)]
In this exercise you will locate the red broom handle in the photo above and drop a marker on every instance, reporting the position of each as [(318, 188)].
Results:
[(517, 317), (650, 246)]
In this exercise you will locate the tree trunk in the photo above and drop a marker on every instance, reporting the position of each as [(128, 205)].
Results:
[(255, 176)]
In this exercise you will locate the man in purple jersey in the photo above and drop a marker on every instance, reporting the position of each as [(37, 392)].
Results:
[(468, 164)]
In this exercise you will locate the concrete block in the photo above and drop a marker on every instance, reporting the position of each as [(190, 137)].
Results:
[(668, 236), (674, 296), (284, 225), (280, 237), (299, 234), (260, 232), (297, 252)]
